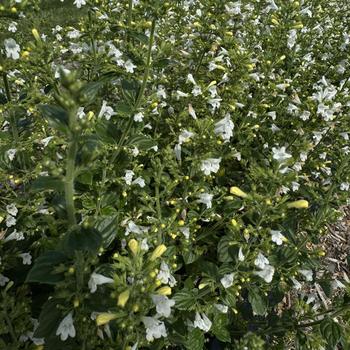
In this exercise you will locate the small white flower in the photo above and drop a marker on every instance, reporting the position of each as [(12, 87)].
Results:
[(261, 261), (97, 279), (18, 236), (277, 237), (155, 329), (185, 136), (206, 199), (344, 186), (133, 228), (297, 284), (227, 280), (190, 79), (66, 328), (267, 273), (138, 117), (12, 49), (46, 141), (202, 322), (128, 176), (26, 258), (165, 276), (139, 181), (79, 3), (307, 274), (3, 280), (224, 128), (163, 304), (241, 256), (80, 113), (192, 112), (185, 231), (210, 165), (221, 308), (12, 27), (129, 66), (280, 154), (144, 245), (10, 221), (11, 209), (11, 154), (106, 111)]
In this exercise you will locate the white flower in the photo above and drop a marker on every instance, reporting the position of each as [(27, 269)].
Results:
[(185, 231), (18, 236), (133, 228), (210, 165), (277, 237), (80, 113), (202, 322), (280, 154), (26, 258), (138, 117), (155, 329), (129, 66), (261, 261), (11, 154), (10, 221), (12, 27), (190, 79), (46, 141), (12, 49), (205, 198), (3, 280), (144, 245), (66, 328), (106, 111), (307, 274), (267, 273), (241, 256), (139, 181), (163, 304), (79, 3), (97, 279), (185, 136), (297, 284), (344, 186), (128, 176), (192, 112), (11, 209), (227, 280), (221, 308), (224, 128), (165, 276), (292, 38)]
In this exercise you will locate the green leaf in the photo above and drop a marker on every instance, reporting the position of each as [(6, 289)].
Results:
[(195, 340), (258, 301), (331, 332), (108, 227), (219, 328), (189, 257), (58, 118), (44, 183), (185, 300), (223, 249), (49, 319), (142, 142), (43, 268), (81, 238)]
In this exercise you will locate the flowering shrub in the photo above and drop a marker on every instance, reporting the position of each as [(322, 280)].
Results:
[(167, 172)]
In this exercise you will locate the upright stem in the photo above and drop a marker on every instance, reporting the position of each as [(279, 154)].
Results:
[(141, 92), (7, 86), (9, 98), (70, 172), (129, 13)]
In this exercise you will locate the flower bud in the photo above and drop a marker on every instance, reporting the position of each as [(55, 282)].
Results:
[(36, 34), (164, 290), (133, 246), (158, 252), (300, 204), (105, 318), (238, 192), (123, 298)]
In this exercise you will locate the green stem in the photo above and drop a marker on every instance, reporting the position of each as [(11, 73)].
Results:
[(11, 330), (7, 86), (140, 95), (70, 172), (129, 13)]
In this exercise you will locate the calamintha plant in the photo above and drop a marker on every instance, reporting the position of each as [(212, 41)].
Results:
[(168, 169)]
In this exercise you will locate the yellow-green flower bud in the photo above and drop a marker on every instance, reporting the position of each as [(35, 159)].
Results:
[(238, 192), (158, 252), (300, 204), (36, 34), (164, 290), (105, 318), (133, 246), (123, 298)]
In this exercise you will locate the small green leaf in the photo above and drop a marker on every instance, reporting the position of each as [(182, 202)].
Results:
[(43, 183), (108, 227), (195, 340), (219, 328), (58, 118), (223, 249), (258, 301), (331, 332), (185, 300), (142, 142), (84, 239), (43, 268)]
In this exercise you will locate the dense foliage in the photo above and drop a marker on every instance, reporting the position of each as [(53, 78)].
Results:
[(167, 171)]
